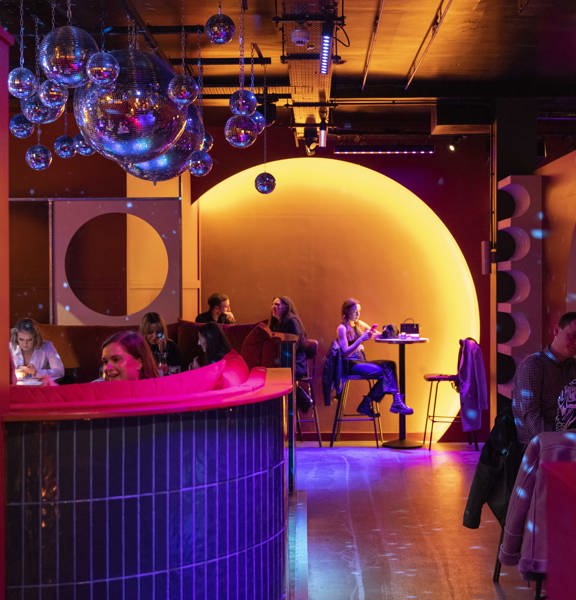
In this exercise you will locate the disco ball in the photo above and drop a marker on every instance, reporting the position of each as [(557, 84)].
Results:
[(220, 29), (102, 68), (37, 112), (243, 102), (53, 95), (135, 120), (265, 183), (183, 90), (64, 146), (82, 146), (259, 120), (174, 161), (64, 54), (22, 83), (240, 131), (38, 157), (200, 163), (21, 127), (207, 142)]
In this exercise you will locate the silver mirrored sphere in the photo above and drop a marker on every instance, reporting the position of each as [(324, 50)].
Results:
[(22, 83), (207, 142), (38, 157), (64, 53), (240, 131), (134, 120), (265, 183), (183, 90), (259, 120), (200, 164), (82, 146), (102, 68), (220, 29), (64, 146), (37, 112), (52, 94), (174, 161), (20, 127), (243, 102)]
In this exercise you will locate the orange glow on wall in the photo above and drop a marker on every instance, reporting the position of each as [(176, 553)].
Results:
[(332, 230)]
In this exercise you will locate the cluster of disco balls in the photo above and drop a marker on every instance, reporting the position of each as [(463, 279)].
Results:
[(129, 106)]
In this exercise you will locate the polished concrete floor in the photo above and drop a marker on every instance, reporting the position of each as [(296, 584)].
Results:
[(386, 524)]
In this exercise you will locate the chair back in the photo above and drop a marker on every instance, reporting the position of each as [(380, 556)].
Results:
[(310, 347)]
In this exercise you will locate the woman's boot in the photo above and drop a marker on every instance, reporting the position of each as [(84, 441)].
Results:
[(399, 406)]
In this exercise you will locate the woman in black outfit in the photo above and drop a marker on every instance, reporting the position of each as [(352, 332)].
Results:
[(166, 353), (285, 319)]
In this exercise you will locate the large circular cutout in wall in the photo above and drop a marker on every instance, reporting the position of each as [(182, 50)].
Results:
[(332, 230), (98, 261)]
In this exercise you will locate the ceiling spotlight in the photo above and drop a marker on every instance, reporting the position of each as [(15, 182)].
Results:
[(300, 35), (454, 143)]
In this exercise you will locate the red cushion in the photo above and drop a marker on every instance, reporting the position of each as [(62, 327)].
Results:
[(235, 372)]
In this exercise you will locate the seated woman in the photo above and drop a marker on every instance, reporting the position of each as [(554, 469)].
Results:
[(285, 319), (165, 351), (32, 356), (350, 335), (126, 356), (214, 344)]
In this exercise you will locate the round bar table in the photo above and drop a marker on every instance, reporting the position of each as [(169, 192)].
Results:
[(401, 442)]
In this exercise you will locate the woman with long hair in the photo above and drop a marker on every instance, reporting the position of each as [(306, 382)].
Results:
[(32, 356), (351, 335), (126, 356), (165, 351)]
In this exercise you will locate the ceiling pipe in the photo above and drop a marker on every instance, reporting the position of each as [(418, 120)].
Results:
[(371, 43), (428, 39)]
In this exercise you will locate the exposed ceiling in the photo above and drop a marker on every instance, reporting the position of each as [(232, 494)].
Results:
[(392, 62)]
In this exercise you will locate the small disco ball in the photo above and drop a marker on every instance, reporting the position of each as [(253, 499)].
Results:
[(82, 146), (240, 131), (265, 183), (200, 163), (36, 111), (134, 120), (243, 102), (53, 95), (175, 160), (38, 157), (183, 90), (207, 142), (63, 54), (64, 146), (22, 83), (220, 29), (102, 68), (21, 127), (259, 119)]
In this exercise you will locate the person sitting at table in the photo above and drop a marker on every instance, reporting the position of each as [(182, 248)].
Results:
[(126, 356), (219, 311), (165, 351), (284, 318), (32, 356), (214, 344), (351, 335)]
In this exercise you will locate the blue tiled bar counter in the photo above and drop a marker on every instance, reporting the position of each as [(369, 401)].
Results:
[(179, 505)]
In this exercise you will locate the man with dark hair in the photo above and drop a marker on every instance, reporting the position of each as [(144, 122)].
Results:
[(218, 310), (540, 378)]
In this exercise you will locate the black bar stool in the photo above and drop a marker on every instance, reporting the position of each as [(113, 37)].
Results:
[(342, 416), (305, 387)]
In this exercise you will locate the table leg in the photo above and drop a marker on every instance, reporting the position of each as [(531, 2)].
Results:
[(401, 441)]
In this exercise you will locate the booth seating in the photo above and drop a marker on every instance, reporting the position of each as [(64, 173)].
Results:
[(79, 345)]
